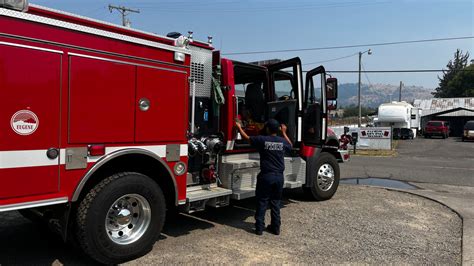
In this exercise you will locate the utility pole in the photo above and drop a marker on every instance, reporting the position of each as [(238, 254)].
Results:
[(369, 52), (400, 93), (124, 11), (358, 94)]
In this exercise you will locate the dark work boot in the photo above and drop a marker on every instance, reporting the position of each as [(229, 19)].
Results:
[(258, 232), (271, 229)]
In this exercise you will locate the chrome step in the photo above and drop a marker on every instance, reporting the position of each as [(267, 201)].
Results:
[(243, 193), (209, 193), (292, 184), (248, 192), (199, 197)]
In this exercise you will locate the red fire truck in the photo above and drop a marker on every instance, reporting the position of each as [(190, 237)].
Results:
[(103, 128)]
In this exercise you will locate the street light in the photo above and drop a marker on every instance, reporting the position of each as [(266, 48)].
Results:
[(369, 52)]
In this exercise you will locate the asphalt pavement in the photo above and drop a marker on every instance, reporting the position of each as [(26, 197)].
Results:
[(437, 161), (442, 169)]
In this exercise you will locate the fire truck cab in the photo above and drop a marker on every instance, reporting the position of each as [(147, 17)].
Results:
[(104, 128)]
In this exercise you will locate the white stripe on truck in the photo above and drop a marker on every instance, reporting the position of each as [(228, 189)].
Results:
[(37, 158)]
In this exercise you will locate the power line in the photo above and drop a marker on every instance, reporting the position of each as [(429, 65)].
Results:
[(215, 8), (394, 71), (352, 46), (366, 76), (330, 60)]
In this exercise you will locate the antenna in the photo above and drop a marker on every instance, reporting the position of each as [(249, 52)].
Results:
[(124, 11)]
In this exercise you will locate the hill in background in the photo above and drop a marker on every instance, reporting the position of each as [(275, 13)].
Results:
[(376, 94)]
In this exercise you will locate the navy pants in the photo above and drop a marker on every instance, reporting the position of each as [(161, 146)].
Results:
[(269, 191)]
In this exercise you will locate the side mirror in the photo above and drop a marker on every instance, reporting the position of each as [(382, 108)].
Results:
[(332, 105), (331, 89)]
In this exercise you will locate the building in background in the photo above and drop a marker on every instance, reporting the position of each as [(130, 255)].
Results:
[(457, 111)]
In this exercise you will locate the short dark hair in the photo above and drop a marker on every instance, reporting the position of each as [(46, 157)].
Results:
[(273, 126)]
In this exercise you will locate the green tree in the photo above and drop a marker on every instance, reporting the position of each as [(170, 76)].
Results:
[(353, 111), (464, 81), (446, 89)]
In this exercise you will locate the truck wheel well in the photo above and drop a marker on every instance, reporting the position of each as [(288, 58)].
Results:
[(333, 143), (333, 151), (138, 163)]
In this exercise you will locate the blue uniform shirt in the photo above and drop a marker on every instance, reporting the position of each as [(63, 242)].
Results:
[(272, 151)]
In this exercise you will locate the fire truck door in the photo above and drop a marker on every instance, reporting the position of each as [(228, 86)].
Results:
[(161, 105), (30, 83), (315, 108), (278, 73)]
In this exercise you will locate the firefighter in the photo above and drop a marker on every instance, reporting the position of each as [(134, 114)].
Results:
[(270, 180)]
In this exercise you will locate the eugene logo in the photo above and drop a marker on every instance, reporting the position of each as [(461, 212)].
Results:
[(24, 122)]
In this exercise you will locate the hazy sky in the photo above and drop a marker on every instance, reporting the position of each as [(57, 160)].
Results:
[(251, 25)]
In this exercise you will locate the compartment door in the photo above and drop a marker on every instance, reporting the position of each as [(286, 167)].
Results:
[(30, 83), (101, 100), (162, 105)]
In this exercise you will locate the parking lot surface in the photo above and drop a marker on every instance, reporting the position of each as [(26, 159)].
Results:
[(359, 225), (438, 161)]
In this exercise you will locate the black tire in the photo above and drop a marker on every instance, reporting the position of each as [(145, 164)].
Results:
[(92, 213), (315, 192)]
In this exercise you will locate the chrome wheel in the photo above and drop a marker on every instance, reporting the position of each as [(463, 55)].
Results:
[(325, 178), (128, 219)]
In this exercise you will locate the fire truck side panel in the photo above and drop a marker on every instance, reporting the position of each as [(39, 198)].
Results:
[(166, 91), (30, 90), (103, 71), (101, 101)]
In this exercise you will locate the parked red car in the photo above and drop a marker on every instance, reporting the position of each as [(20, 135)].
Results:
[(436, 128)]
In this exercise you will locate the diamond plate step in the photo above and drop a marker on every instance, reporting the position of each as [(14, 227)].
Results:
[(209, 193)]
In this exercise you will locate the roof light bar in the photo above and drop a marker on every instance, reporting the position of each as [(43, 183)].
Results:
[(20, 5)]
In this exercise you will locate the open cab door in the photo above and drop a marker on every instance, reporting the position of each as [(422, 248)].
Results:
[(320, 97), (286, 88)]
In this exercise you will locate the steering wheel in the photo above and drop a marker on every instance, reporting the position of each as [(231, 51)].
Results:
[(285, 98)]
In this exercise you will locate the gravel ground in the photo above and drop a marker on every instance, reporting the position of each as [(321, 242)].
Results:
[(359, 225)]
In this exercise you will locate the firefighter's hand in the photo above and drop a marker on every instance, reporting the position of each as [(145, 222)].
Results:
[(283, 128), (238, 123)]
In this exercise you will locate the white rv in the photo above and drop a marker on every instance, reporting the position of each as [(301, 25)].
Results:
[(399, 115)]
